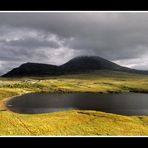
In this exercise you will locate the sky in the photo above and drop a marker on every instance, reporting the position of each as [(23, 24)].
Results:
[(56, 37)]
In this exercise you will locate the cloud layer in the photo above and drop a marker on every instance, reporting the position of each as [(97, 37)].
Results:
[(56, 37)]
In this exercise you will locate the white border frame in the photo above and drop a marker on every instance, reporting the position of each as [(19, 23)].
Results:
[(74, 12)]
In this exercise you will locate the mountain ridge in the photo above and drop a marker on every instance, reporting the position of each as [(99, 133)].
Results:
[(76, 65)]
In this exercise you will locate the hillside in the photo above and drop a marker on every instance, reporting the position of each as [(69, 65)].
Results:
[(33, 69)]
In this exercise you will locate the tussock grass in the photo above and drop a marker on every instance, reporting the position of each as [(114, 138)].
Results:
[(72, 123)]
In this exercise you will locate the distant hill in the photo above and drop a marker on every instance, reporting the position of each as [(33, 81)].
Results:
[(87, 63), (32, 69), (76, 65)]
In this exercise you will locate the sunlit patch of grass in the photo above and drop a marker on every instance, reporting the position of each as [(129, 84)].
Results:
[(8, 92), (73, 122), (99, 81)]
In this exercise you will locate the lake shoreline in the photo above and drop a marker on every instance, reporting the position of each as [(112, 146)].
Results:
[(92, 98), (3, 102)]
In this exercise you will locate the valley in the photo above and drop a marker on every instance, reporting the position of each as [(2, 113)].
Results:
[(74, 122)]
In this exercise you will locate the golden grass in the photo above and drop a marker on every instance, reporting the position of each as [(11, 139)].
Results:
[(86, 123), (73, 122)]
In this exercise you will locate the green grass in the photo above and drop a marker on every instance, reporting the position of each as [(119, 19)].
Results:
[(101, 82), (73, 122)]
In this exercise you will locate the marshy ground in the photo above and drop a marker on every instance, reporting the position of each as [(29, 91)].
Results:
[(73, 122)]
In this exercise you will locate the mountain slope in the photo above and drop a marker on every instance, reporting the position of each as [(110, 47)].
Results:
[(87, 63), (32, 69), (75, 65)]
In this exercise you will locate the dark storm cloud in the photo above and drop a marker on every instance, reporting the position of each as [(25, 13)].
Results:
[(55, 37)]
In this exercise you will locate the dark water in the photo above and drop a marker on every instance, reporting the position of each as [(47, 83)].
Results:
[(124, 103)]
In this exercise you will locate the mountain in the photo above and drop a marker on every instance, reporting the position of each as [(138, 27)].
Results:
[(76, 65), (32, 69), (88, 63)]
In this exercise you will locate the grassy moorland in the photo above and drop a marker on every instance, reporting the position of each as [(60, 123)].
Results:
[(73, 122)]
